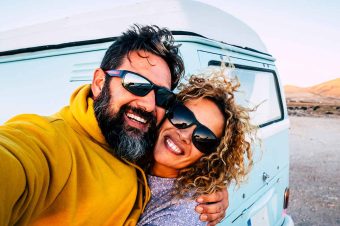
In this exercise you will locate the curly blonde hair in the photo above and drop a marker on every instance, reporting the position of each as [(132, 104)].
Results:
[(233, 158)]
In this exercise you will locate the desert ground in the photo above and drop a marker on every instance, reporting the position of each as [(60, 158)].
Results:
[(315, 169)]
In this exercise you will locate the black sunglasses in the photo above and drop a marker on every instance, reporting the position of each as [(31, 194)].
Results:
[(141, 86), (203, 138)]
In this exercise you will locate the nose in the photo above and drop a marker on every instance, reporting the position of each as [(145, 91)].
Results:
[(186, 134), (148, 102)]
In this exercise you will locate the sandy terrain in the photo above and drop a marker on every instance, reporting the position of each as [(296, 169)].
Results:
[(315, 171), (314, 109)]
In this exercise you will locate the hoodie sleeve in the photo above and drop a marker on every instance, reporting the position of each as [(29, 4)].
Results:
[(25, 168)]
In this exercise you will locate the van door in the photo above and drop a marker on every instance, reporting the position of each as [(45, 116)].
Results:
[(259, 89)]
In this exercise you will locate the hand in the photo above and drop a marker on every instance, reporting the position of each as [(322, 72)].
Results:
[(212, 208)]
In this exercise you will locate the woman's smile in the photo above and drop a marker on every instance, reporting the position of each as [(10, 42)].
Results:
[(171, 145)]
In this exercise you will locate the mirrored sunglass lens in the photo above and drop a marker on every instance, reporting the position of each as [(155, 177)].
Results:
[(136, 84), (182, 117), (164, 97), (204, 140)]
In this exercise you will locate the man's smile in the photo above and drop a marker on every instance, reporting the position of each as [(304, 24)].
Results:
[(136, 118)]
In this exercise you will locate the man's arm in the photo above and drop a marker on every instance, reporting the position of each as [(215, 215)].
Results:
[(25, 172), (212, 208), (12, 185)]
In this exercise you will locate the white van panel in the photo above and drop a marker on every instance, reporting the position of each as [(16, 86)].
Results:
[(177, 15), (42, 83)]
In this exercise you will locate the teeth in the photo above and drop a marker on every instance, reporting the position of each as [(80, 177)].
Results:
[(173, 146), (136, 118)]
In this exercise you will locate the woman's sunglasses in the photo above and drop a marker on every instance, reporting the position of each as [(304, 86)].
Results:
[(141, 86), (202, 137)]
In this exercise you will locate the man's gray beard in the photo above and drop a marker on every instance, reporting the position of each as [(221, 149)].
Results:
[(131, 147), (125, 142)]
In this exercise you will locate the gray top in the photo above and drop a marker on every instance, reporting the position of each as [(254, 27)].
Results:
[(163, 209)]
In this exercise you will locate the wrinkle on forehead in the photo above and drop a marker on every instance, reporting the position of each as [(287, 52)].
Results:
[(144, 55)]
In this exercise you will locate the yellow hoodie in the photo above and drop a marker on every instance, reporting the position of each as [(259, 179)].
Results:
[(57, 170)]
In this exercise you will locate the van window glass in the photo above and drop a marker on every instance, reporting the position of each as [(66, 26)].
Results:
[(258, 90)]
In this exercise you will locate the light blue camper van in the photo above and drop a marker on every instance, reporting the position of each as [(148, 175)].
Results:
[(40, 66)]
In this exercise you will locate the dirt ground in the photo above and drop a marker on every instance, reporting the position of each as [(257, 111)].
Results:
[(315, 171)]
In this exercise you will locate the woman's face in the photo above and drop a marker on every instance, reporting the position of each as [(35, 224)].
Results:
[(174, 149)]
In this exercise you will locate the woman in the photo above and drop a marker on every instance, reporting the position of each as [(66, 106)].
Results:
[(201, 148)]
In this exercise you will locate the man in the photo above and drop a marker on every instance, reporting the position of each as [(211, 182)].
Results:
[(76, 167)]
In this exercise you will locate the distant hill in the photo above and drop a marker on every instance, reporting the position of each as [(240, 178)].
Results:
[(325, 92), (294, 89), (322, 100), (328, 89)]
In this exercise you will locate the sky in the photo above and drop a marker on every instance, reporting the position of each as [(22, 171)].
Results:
[(303, 35)]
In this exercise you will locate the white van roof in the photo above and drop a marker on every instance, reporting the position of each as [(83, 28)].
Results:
[(177, 15)]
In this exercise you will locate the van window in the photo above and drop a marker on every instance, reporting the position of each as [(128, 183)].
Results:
[(259, 90)]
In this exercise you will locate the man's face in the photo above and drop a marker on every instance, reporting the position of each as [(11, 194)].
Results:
[(128, 122)]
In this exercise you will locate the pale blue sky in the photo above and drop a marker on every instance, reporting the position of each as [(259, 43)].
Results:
[(303, 35)]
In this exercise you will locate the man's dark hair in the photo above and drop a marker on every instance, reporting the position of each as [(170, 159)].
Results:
[(158, 41)]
